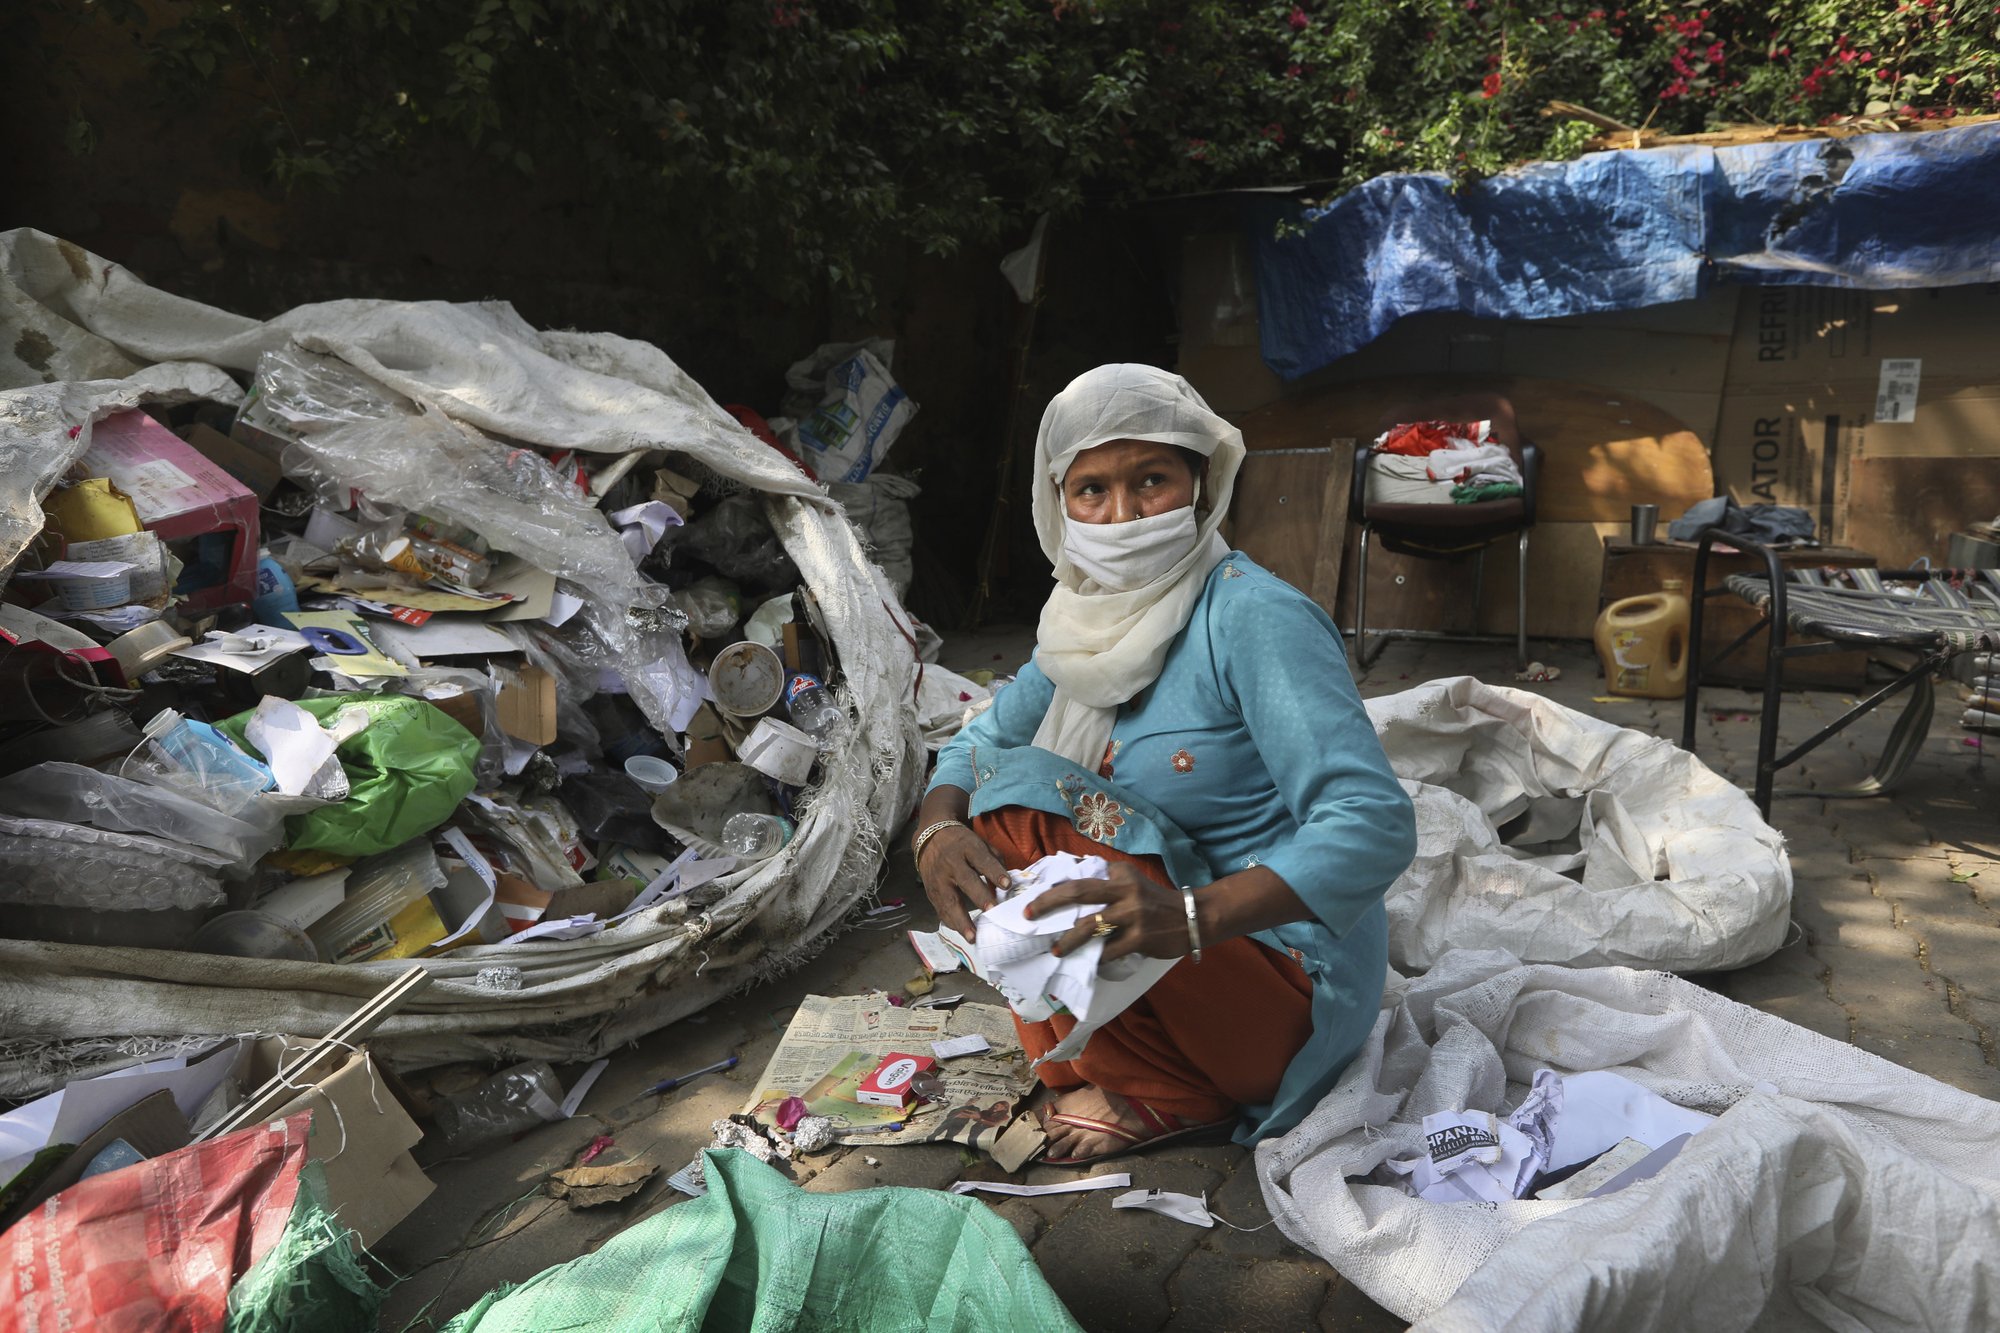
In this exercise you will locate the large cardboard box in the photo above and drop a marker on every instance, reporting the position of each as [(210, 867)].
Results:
[(1877, 411)]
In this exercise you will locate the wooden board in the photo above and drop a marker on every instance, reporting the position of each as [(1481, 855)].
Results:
[(1289, 514)]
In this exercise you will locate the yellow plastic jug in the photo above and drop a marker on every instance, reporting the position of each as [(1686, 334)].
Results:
[(1643, 643)]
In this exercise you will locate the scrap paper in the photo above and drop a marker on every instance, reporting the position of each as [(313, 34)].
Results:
[(248, 650), (292, 742), (834, 1042), (970, 1044), (641, 526), (1013, 955), (1116, 1180)]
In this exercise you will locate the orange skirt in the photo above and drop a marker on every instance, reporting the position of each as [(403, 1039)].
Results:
[(1207, 1038)]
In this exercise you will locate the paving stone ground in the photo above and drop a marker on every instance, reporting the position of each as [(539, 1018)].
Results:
[(1897, 919)]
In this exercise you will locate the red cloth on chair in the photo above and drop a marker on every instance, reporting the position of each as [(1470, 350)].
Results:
[(1418, 438), (1207, 1038)]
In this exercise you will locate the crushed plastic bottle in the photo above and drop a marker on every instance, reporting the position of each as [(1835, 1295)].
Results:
[(755, 837)]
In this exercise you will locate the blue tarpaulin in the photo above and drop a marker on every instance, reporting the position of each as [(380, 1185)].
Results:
[(1619, 230)]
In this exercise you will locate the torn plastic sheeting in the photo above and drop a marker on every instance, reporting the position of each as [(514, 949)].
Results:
[(512, 497)]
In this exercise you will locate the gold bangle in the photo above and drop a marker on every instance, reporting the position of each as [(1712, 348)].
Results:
[(927, 833)]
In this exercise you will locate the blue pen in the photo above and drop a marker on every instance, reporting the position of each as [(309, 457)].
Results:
[(669, 1084)]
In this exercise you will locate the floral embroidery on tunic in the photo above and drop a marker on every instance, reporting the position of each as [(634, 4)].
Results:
[(1183, 762), (1098, 817), (1251, 863), (1110, 754), (1231, 572)]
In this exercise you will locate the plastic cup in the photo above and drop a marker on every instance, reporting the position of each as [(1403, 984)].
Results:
[(747, 679), (253, 934), (652, 773)]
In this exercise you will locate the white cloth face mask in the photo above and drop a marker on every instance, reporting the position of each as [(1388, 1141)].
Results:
[(1128, 555)]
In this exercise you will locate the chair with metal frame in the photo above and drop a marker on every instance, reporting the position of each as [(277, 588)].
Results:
[(1445, 531)]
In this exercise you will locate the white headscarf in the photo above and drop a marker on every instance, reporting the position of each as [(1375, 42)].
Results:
[(1100, 647)]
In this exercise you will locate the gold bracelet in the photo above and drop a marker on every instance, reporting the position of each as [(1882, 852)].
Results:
[(926, 834)]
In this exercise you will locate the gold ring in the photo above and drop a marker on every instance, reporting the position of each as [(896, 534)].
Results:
[(1102, 928)]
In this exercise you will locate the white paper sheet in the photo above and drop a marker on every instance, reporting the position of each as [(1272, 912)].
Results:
[(971, 1044), (641, 526), (1599, 1108), (249, 649), (1013, 956), (74, 1112), (291, 740), (1116, 1181)]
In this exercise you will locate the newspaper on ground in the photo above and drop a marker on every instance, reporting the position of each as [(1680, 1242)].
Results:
[(834, 1042)]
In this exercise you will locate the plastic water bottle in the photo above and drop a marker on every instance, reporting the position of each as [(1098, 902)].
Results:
[(812, 707), (754, 837)]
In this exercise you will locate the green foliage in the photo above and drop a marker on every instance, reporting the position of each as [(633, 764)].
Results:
[(794, 137)]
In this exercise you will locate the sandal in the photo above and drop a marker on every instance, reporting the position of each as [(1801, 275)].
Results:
[(1164, 1127)]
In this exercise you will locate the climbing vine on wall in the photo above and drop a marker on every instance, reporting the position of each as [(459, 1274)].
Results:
[(792, 137)]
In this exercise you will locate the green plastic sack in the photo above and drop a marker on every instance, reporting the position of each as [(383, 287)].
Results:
[(759, 1253), (407, 770)]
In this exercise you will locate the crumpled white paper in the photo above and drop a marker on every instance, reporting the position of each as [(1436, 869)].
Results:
[(1011, 953)]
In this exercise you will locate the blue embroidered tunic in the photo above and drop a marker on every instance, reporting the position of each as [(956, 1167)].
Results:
[(1251, 748)]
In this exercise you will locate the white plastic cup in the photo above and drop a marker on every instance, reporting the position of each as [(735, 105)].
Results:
[(652, 773), (747, 679)]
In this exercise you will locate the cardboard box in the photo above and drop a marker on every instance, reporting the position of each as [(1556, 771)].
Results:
[(361, 1136), (891, 1083), (1869, 409)]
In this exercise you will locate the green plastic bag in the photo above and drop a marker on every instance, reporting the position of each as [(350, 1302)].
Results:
[(407, 770), (759, 1253)]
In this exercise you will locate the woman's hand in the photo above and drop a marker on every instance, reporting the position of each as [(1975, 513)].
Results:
[(958, 868), (1151, 918)]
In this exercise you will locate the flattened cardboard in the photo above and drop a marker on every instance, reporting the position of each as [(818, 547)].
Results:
[(362, 1136)]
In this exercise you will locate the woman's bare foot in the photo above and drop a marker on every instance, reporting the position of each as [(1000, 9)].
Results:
[(1088, 1123)]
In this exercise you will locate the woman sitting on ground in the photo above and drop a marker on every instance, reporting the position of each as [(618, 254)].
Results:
[(1191, 719)]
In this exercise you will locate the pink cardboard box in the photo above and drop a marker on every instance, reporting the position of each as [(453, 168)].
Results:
[(179, 494)]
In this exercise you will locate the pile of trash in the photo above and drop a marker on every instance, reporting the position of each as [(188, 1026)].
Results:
[(404, 631)]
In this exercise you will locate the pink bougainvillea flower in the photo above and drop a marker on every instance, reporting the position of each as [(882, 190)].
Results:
[(1298, 20)]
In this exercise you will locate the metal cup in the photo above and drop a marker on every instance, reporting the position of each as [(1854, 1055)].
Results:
[(1645, 519)]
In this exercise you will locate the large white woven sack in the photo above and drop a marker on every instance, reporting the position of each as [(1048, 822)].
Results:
[(113, 343), (1836, 1190), (1620, 847)]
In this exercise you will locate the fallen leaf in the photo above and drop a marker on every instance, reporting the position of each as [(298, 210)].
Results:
[(1960, 876), (590, 1186)]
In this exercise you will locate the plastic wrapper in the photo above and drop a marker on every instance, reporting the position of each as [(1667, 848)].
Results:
[(407, 770), (713, 606), (74, 794), (541, 837), (510, 1102), (295, 393), (47, 863), (736, 538), (436, 683), (448, 471)]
